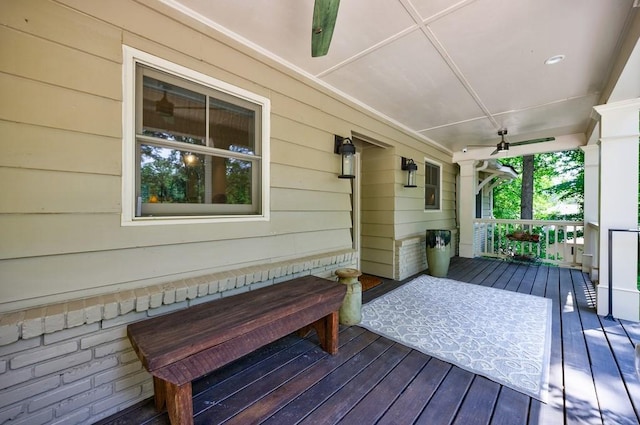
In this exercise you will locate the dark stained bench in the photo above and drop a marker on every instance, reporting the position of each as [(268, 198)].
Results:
[(182, 346)]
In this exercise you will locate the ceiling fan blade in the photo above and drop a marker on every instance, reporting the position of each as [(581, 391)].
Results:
[(325, 13), (528, 142)]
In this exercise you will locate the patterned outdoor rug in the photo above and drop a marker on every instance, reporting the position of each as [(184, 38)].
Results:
[(502, 335)]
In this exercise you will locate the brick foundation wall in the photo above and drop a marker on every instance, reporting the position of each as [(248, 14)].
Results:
[(72, 363), (410, 257)]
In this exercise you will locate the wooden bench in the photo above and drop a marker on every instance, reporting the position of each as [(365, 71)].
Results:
[(182, 346)]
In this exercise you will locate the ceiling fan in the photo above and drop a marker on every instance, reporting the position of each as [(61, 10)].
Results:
[(503, 145), (325, 13)]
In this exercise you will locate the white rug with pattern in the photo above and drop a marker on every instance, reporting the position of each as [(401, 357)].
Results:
[(499, 334)]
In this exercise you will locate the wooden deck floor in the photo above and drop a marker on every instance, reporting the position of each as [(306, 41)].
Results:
[(373, 380)]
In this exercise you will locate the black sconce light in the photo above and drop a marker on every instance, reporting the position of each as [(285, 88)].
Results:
[(344, 147), (410, 167)]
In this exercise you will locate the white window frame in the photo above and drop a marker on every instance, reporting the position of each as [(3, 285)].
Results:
[(439, 165), (131, 58)]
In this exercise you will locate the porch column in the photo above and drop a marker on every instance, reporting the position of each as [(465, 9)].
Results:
[(618, 206), (591, 191), (468, 183)]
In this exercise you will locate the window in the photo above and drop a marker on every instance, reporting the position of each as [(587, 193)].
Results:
[(195, 147), (432, 178)]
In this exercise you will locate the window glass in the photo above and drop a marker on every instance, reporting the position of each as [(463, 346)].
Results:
[(431, 186), (198, 149)]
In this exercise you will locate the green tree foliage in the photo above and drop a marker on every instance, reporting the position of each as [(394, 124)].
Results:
[(558, 178)]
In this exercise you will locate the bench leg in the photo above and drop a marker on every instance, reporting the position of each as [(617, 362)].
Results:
[(179, 404), (329, 340), (159, 393), (327, 329), (177, 398)]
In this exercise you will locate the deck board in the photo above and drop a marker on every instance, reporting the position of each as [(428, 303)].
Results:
[(373, 380)]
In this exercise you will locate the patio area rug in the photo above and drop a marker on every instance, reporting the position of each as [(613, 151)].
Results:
[(501, 335)]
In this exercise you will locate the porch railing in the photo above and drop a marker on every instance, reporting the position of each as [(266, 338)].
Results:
[(555, 242)]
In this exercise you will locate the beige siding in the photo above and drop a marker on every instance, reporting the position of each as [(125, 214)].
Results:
[(61, 130)]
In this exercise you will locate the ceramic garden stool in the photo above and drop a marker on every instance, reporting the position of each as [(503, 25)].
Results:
[(351, 310)]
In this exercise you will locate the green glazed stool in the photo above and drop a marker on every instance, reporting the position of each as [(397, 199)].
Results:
[(438, 252)]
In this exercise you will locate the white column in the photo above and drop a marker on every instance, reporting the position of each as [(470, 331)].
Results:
[(618, 207), (468, 182), (591, 191)]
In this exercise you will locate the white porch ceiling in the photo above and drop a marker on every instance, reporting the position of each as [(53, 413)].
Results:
[(454, 72)]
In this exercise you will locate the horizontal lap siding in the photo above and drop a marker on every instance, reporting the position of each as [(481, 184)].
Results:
[(61, 130)]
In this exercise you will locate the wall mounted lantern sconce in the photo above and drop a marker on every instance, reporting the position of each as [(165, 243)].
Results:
[(410, 167), (344, 147)]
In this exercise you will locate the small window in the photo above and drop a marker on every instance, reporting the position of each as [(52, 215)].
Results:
[(432, 178), (197, 145)]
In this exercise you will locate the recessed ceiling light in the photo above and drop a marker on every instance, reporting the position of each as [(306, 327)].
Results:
[(554, 59)]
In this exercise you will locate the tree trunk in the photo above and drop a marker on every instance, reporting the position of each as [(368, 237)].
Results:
[(526, 198)]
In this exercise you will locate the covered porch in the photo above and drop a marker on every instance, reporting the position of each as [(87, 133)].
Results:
[(374, 380)]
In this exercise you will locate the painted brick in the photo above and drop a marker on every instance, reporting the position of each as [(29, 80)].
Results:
[(136, 379), (142, 299), (75, 313), (169, 294), (167, 308), (103, 337), (20, 345), (274, 272), (236, 281), (9, 333), (79, 417), (127, 301), (15, 377), (93, 309), (55, 318), (114, 347), (203, 289), (58, 365), (10, 414), (181, 291), (33, 323), (214, 286), (124, 320), (127, 357), (70, 333), (25, 392), (89, 369), (81, 400), (42, 354), (155, 296), (39, 418), (261, 285), (116, 400), (114, 374), (3, 366), (57, 395), (193, 288), (235, 291), (202, 300), (248, 275), (111, 307)]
